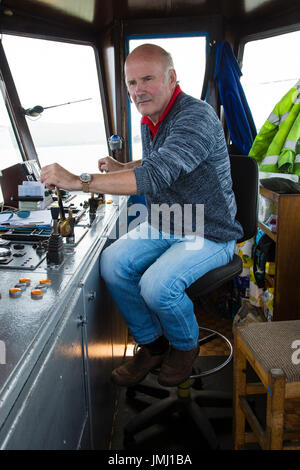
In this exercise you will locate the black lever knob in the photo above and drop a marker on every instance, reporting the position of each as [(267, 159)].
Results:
[(54, 212)]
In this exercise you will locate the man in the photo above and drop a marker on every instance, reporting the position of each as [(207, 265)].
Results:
[(185, 162)]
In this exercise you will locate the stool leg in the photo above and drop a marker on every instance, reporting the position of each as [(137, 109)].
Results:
[(203, 424), (239, 388), (146, 417), (275, 410)]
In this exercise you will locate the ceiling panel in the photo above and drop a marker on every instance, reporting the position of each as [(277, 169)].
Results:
[(95, 14)]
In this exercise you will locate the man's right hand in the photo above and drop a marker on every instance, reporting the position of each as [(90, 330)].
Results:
[(109, 164)]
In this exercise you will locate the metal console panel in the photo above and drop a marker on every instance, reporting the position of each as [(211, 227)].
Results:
[(51, 411), (47, 338)]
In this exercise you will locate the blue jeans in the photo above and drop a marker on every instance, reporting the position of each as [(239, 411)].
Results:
[(147, 278)]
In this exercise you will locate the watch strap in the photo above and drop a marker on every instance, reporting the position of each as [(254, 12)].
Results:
[(85, 186)]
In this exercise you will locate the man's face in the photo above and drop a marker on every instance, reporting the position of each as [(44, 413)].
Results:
[(150, 85)]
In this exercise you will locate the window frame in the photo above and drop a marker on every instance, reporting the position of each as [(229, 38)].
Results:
[(263, 35), (271, 33), (20, 126)]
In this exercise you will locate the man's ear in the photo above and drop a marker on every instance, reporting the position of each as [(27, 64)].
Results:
[(172, 77)]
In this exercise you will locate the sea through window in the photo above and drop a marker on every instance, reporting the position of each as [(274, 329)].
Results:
[(62, 79)]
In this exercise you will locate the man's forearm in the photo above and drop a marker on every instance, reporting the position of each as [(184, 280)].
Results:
[(130, 165), (117, 182)]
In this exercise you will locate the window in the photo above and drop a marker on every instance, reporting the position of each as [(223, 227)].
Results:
[(10, 153), (189, 57), (270, 69), (62, 78)]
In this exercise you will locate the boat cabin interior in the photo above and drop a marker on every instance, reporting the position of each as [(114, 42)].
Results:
[(65, 99)]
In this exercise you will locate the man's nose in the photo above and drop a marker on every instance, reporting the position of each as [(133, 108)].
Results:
[(139, 89)]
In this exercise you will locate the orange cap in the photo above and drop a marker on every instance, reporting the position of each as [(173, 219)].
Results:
[(15, 292), (37, 292), (26, 280)]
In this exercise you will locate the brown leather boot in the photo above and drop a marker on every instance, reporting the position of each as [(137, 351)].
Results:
[(177, 366), (135, 369)]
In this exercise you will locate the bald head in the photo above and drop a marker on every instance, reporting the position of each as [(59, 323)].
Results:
[(151, 52), (151, 79)]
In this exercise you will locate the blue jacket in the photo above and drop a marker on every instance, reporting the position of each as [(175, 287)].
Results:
[(237, 112)]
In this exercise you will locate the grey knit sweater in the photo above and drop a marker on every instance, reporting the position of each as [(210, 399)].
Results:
[(187, 164)]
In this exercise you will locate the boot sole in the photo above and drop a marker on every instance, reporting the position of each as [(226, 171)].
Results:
[(174, 384), (136, 382)]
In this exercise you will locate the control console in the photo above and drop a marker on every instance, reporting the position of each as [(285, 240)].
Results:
[(24, 248)]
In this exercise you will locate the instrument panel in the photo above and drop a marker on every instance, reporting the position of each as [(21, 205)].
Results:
[(25, 248)]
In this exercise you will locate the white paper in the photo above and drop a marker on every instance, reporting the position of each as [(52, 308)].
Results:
[(32, 188), (42, 217), (4, 217)]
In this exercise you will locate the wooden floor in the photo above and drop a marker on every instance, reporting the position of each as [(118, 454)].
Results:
[(209, 319)]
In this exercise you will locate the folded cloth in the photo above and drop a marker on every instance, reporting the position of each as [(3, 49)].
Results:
[(281, 185)]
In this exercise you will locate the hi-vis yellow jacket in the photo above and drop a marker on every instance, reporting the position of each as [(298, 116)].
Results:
[(276, 147)]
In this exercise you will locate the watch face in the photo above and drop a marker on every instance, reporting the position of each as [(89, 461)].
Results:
[(85, 177)]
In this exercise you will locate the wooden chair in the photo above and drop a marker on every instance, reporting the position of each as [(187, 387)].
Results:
[(273, 351)]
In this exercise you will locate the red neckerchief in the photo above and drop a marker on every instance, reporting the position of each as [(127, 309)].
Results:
[(154, 127)]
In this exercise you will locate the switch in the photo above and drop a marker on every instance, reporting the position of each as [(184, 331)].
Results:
[(15, 292), (36, 294), (4, 252), (25, 280), (46, 282)]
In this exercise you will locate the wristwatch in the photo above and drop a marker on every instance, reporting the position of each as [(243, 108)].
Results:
[(85, 179)]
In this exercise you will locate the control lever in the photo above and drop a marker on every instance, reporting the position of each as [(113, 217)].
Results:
[(66, 226), (93, 205), (55, 253), (60, 204), (70, 238)]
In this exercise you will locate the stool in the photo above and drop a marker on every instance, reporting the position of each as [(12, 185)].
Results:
[(182, 398), (273, 351)]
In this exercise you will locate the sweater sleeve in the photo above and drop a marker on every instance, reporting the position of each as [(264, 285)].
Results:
[(188, 142)]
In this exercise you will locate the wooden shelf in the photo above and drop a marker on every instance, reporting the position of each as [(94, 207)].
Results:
[(287, 254), (269, 194), (266, 229)]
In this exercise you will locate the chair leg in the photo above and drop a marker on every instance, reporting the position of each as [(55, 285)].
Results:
[(203, 424), (275, 410), (239, 387), (146, 417), (152, 390)]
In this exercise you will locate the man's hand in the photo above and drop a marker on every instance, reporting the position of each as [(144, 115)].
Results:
[(55, 175), (109, 164)]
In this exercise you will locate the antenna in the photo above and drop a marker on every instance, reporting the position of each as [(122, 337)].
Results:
[(37, 110)]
